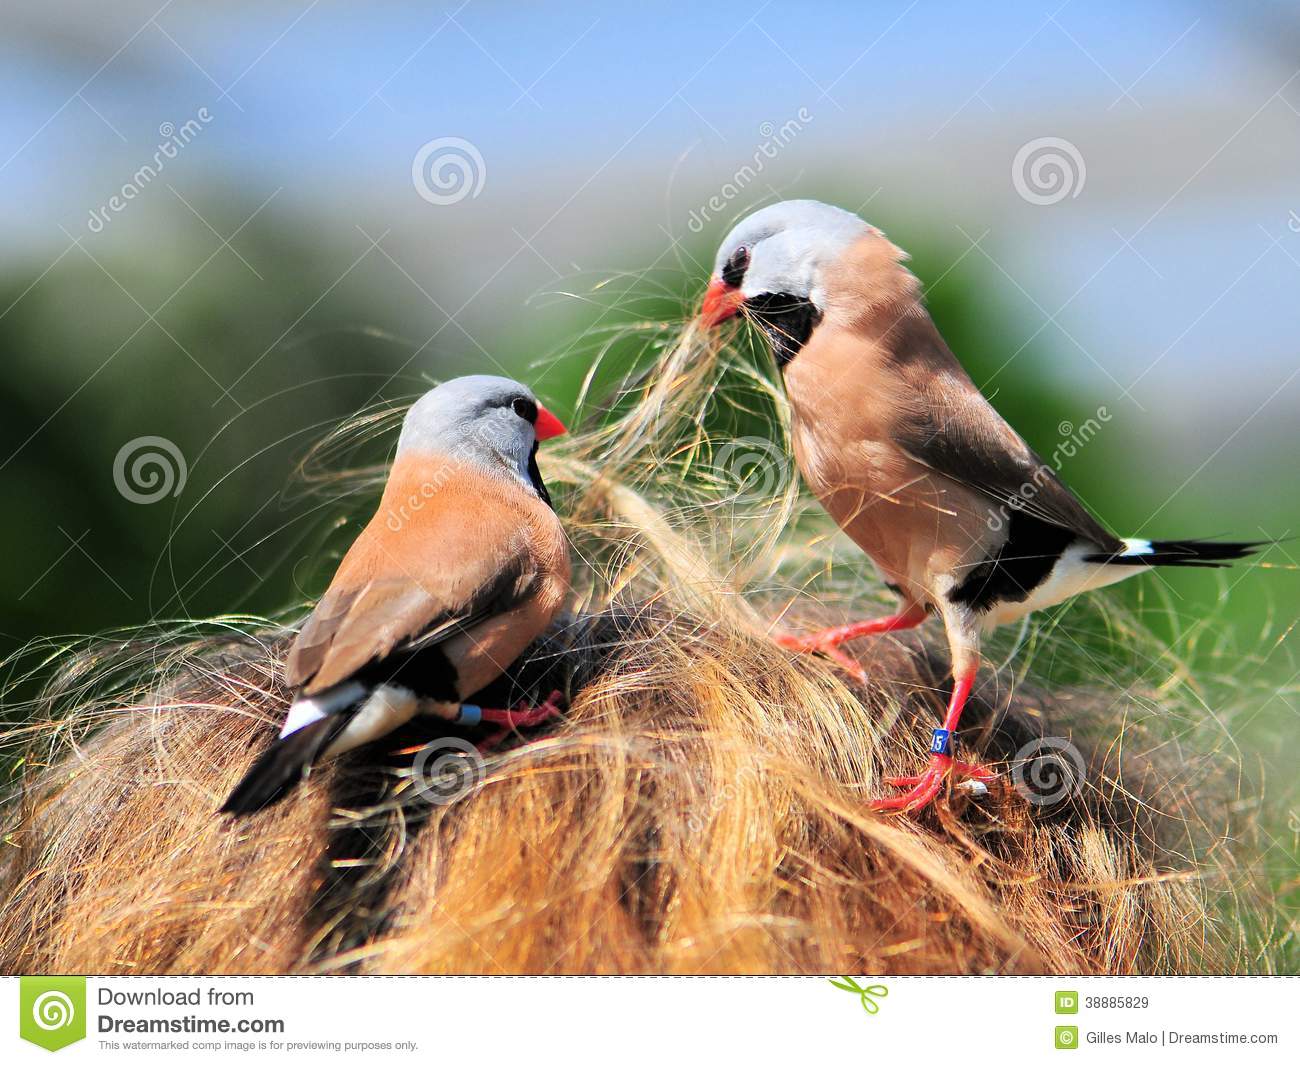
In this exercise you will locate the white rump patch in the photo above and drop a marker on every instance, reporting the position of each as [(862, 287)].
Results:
[(1072, 575), (304, 712)]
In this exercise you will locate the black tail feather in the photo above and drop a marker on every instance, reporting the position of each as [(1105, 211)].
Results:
[(282, 766), (1204, 554)]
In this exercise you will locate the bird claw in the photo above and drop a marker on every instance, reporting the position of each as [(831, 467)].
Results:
[(523, 715), (926, 786), (812, 645), (923, 791)]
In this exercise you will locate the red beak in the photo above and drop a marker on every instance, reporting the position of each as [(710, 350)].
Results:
[(547, 424), (721, 301)]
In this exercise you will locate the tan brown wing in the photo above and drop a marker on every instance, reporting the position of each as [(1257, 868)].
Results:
[(388, 616), (419, 573), (955, 431)]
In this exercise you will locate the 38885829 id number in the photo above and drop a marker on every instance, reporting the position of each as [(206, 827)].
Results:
[(1116, 1002)]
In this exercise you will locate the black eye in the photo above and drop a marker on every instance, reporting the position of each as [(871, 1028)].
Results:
[(526, 409), (734, 272)]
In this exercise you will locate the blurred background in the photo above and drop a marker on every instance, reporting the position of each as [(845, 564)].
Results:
[(227, 226)]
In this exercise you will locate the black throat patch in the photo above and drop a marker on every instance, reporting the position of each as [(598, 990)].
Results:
[(787, 321), (535, 475)]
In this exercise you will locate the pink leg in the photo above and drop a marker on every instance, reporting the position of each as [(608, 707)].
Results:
[(524, 716), (828, 641), (971, 770), (519, 716), (928, 784)]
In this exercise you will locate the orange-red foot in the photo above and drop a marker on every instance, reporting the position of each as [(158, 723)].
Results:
[(827, 642), (815, 645), (520, 716), (924, 787), (524, 716)]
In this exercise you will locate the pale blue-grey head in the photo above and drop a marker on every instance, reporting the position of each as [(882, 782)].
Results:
[(494, 421), (782, 249)]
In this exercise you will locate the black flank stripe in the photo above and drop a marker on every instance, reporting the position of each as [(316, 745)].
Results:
[(425, 671), (1019, 566)]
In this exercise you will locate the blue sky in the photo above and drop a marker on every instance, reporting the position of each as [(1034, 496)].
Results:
[(602, 127), (344, 85)]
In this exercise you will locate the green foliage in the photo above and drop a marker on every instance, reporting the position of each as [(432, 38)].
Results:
[(243, 383)]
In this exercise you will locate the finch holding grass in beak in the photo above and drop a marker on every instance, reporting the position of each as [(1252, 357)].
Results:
[(461, 568), (959, 515)]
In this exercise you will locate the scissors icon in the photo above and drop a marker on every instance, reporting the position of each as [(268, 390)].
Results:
[(867, 994)]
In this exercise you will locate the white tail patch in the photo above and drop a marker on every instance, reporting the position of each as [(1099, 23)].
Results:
[(304, 711), (1072, 575)]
